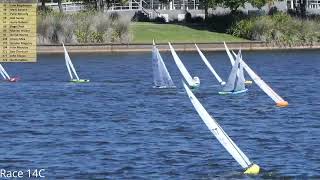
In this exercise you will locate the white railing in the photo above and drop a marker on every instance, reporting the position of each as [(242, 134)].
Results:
[(120, 7), (131, 5), (67, 6), (176, 6), (314, 4)]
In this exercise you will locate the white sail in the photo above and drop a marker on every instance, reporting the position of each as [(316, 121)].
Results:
[(4, 73), (240, 81), (4, 76), (181, 67), (267, 89), (218, 132), (161, 76), (232, 79), (229, 54), (69, 64), (205, 60)]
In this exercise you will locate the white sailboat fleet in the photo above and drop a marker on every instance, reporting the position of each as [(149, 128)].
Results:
[(235, 84), (72, 71), (6, 76)]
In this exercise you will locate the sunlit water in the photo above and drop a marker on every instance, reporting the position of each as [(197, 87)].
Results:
[(119, 127)]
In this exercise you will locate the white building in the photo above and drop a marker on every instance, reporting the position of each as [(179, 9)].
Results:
[(311, 4)]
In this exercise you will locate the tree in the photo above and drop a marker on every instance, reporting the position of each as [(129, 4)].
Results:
[(43, 4), (60, 6), (233, 4), (260, 3), (301, 8), (209, 4)]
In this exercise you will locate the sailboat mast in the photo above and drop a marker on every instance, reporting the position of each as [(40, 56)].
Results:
[(205, 60), (69, 63), (181, 67)]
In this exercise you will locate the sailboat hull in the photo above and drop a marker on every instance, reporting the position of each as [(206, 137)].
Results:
[(193, 87), (14, 79), (164, 87), (232, 92), (79, 80)]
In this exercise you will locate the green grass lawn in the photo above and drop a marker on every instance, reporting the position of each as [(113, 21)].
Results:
[(162, 33)]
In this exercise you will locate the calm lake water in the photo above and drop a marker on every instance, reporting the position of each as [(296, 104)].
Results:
[(119, 127)]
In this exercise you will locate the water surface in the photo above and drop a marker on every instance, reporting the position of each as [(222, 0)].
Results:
[(119, 127)]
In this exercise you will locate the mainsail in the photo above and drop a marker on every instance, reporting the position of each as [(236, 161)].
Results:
[(240, 81), (4, 73), (236, 79), (69, 64), (161, 76), (205, 60), (220, 134), (181, 67)]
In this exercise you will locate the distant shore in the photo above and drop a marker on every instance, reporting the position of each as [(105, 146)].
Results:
[(216, 46)]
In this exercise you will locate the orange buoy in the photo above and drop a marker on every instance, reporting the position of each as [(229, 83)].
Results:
[(282, 104)]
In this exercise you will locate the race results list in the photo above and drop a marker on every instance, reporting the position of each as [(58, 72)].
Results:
[(18, 31)]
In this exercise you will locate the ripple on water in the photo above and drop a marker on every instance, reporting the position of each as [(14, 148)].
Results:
[(119, 127)]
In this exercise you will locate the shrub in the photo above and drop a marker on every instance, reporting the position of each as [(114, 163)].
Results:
[(280, 29), (83, 27), (160, 20), (188, 17), (140, 17), (273, 10), (222, 23), (197, 19)]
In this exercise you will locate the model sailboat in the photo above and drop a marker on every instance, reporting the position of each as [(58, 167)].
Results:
[(232, 61), (161, 76), (72, 71), (223, 138), (6, 76), (235, 83), (205, 60), (264, 86), (192, 82)]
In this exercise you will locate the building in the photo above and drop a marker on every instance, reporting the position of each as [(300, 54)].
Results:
[(312, 6)]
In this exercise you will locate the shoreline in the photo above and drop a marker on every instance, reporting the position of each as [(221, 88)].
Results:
[(188, 47)]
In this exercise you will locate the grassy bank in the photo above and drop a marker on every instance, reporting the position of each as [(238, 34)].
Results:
[(143, 32)]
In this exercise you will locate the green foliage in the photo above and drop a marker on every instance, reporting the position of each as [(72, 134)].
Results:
[(84, 27), (233, 4), (260, 3), (188, 17), (221, 23), (280, 29)]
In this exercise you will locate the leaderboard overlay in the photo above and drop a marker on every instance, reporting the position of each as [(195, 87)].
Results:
[(18, 31)]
